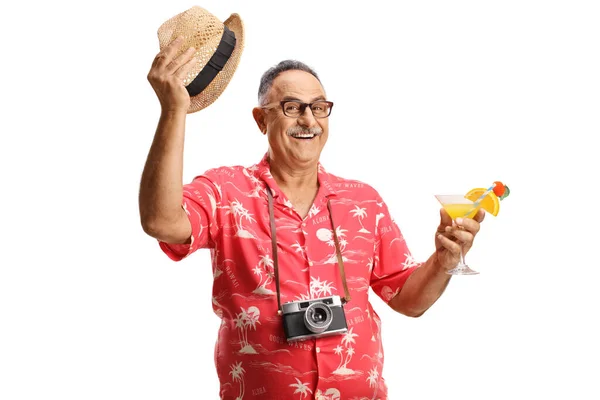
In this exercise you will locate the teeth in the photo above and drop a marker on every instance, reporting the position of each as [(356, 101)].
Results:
[(304, 136)]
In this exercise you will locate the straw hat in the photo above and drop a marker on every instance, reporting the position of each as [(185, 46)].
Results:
[(218, 47)]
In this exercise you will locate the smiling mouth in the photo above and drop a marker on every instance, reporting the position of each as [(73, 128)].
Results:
[(303, 136)]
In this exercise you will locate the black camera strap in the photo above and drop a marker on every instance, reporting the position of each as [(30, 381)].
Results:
[(275, 261)]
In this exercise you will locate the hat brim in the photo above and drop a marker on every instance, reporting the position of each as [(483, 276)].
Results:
[(219, 84)]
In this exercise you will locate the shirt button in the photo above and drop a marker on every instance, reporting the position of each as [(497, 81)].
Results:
[(318, 349), (310, 263), (304, 224)]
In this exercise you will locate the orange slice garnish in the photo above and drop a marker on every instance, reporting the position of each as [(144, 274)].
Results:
[(489, 203)]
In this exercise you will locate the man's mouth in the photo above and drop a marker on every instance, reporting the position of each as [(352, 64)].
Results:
[(304, 136)]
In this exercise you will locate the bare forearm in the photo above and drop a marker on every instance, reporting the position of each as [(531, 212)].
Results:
[(161, 187), (422, 289)]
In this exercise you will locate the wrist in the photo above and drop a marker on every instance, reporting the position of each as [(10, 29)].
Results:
[(437, 266), (171, 112)]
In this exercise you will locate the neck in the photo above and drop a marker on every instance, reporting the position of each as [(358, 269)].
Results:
[(294, 177)]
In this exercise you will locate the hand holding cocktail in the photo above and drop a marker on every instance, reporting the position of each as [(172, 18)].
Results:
[(460, 219)]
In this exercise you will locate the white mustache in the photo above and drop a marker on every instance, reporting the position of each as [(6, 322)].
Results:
[(295, 130)]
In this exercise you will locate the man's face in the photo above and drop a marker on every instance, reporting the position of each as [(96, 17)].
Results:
[(285, 133)]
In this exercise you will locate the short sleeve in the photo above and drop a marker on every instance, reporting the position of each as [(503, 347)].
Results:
[(392, 261), (201, 199)]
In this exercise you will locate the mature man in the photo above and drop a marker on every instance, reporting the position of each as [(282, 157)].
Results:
[(285, 230)]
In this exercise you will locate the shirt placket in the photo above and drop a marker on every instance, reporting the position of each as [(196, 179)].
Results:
[(307, 226), (321, 353)]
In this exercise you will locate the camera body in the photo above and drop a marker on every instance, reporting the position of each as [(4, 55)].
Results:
[(314, 318)]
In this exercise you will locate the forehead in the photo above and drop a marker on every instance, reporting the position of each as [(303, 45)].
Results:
[(296, 84)]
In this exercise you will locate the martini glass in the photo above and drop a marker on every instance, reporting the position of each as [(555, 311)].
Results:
[(457, 206)]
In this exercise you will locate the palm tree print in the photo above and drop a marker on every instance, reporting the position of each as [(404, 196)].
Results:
[(347, 341), (239, 215), (326, 235), (360, 213), (339, 350), (314, 210), (320, 289), (265, 264), (255, 181), (258, 186), (299, 248), (317, 289), (243, 321), (341, 234), (409, 262), (237, 374), (372, 379), (301, 388), (248, 172)]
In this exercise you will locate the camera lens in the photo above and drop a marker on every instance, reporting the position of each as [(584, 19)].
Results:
[(318, 317)]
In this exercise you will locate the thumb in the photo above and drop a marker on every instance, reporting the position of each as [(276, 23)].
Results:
[(445, 219)]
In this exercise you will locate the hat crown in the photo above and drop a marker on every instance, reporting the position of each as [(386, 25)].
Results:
[(199, 28), (203, 31)]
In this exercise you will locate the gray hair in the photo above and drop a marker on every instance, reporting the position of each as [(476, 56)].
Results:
[(266, 81)]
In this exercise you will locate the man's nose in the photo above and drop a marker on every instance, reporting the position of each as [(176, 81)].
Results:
[(307, 119)]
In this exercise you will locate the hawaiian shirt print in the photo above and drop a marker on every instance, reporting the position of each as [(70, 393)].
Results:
[(229, 214)]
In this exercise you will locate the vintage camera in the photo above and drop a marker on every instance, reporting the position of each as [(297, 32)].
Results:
[(313, 318)]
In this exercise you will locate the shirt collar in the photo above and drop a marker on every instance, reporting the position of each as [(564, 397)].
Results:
[(262, 170)]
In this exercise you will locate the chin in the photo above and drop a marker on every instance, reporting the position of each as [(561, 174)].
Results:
[(307, 156)]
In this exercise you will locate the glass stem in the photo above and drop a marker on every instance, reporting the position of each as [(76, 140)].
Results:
[(462, 258)]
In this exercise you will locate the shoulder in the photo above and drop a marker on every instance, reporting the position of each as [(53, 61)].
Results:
[(353, 188), (227, 179), (224, 174)]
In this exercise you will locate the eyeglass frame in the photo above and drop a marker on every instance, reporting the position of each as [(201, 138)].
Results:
[(302, 107)]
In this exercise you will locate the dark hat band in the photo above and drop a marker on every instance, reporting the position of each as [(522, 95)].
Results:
[(215, 64)]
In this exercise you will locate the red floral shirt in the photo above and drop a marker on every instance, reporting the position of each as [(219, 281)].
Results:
[(228, 211)]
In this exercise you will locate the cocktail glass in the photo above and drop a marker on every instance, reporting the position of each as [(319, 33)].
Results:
[(457, 206)]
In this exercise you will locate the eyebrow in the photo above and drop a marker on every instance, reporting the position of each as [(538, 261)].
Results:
[(292, 98)]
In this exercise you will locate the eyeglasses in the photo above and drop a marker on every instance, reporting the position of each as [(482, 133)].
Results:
[(294, 109)]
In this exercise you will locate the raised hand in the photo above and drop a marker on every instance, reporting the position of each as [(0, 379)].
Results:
[(169, 75)]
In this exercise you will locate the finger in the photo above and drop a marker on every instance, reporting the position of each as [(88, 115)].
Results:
[(180, 60), (183, 73), (480, 216), (450, 245), (165, 56), (446, 234), (468, 224), (462, 235), (445, 220)]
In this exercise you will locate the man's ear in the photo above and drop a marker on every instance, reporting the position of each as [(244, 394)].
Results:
[(259, 116)]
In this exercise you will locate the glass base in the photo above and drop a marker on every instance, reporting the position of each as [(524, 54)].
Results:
[(462, 269)]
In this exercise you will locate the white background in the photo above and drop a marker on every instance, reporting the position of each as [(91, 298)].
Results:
[(431, 96)]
